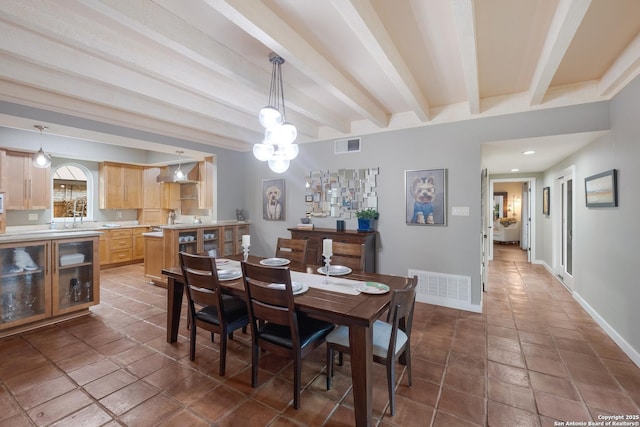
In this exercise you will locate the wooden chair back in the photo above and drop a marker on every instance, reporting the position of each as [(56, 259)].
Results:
[(348, 254), (295, 250)]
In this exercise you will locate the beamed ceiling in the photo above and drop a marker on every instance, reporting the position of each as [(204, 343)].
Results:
[(198, 69)]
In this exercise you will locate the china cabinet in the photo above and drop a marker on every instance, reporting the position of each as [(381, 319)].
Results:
[(42, 280)]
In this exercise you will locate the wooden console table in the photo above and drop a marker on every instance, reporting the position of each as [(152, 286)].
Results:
[(315, 237)]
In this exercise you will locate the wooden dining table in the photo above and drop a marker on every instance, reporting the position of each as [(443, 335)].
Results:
[(357, 312)]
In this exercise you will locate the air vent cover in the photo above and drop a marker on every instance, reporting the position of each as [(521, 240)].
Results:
[(347, 146)]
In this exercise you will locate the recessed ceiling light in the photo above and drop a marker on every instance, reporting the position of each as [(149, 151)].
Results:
[(515, 170), (528, 152)]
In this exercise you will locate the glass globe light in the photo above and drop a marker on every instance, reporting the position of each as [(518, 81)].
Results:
[(41, 159), (278, 163), (263, 152), (287, 133), (269, 117), (290, 151)]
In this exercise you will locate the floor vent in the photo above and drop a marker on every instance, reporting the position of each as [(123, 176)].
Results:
[(347, 145), (448, 290)]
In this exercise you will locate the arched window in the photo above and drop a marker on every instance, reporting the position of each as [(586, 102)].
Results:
[(72, 193)]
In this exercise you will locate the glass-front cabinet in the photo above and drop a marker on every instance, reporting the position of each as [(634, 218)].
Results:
[(25, 293), (41, 279), (76, 275), (211, 241)]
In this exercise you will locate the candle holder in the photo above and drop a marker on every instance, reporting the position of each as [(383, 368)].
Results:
[(327, 264), (245, 253)]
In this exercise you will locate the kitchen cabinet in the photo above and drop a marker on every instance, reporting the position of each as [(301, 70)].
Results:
[(41, 280), (122, 245), (153, 257), (159, 195), (317, 235), (121, 186), (137, 243), (29, 187)]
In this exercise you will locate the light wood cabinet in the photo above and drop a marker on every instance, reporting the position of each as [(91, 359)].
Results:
[(47, 279), (121, 186), (153, 259), (121, 246), (104, 248), (137, 243), (29, 187)]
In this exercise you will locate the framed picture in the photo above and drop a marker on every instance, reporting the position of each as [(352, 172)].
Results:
[(545, 200), (500, 205), (426, 197), (308, 198), (601, 190), (273, 199)]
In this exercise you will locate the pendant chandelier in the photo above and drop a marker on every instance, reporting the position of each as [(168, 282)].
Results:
[(179, 175), (41, 159), (278, 147)]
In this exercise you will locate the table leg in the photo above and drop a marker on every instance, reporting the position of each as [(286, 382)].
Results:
[(174, 306), (361, 342)]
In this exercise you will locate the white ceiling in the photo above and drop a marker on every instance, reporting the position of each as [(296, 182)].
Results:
[(199, 70)]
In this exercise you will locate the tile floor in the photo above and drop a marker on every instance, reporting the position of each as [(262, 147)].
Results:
[(533, 357)]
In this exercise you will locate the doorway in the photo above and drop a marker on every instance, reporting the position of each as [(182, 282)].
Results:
[(562, 230), (520, 202)]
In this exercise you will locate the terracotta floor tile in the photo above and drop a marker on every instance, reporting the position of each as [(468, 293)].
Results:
[(59, 407), (109, 383), (91, 415), (462, 405), (512, 395), (127, 370), (508, 374), (151, 412), (128, 397), (500, 415), (561, 409)]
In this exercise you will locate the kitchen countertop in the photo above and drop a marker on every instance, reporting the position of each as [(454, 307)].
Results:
[(181, 226), (47, 235)]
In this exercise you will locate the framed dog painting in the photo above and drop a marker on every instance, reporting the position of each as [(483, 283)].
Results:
[(273, 199), (426, 197)]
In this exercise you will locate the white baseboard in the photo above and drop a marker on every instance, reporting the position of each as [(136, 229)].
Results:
[(624, 345), (447, 302)]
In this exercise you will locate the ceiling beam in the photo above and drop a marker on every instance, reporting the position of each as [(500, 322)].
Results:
[(568, 17), (465, 20), (625, 68), (259, 21), (363, 20)]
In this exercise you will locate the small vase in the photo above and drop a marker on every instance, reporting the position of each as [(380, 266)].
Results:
[(365, 224)]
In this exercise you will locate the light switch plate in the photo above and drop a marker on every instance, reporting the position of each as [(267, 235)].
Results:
[(460, 211), (33, 217)]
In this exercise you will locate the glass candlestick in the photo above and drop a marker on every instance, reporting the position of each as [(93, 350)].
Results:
[(327, 263), (245, 253)]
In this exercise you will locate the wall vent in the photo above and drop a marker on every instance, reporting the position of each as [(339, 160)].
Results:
[(448, 290), (351, 145)]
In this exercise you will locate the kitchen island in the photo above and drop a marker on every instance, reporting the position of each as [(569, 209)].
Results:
[(222, 238)]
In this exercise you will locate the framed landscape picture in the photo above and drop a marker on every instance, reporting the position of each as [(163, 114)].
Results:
[(426, 197), (601, 190), (273, 199), (545, 200)]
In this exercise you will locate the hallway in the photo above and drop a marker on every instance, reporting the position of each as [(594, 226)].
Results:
[(533, 357)]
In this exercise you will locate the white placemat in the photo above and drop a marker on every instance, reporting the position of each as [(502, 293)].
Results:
[(338, 284)]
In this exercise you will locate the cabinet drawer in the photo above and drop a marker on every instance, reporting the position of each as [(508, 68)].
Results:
[(120, 234), (118, 244), (120, 255)]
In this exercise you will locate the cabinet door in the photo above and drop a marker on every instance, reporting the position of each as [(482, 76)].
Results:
[(132, 178), (76, 275), (16, 196), (104, 248), (40, 187), (111, 186), (25, 294), (153, 258), (29, 186), (152, 190), (138, 243)]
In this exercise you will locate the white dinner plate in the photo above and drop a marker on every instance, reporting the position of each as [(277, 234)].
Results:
[(335, 270), (298, 288), (229, 274), (373, 288), (222, 261), (275, 262), (31, 268)]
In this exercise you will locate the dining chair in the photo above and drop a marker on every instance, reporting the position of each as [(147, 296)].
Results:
[(391, 339), (349, 255), (295, 250), (209, 308), (275, 324)]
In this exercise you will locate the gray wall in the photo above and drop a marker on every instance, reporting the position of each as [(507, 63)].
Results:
[(606, 268), (453, 249)]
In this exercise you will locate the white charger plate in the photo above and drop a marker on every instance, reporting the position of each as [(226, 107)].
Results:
[(335, 270), (275, 262), (298, 288), (225, 275), (373, 288), (222, 261)]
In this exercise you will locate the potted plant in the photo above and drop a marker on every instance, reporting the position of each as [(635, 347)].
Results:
[(367, 219)]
